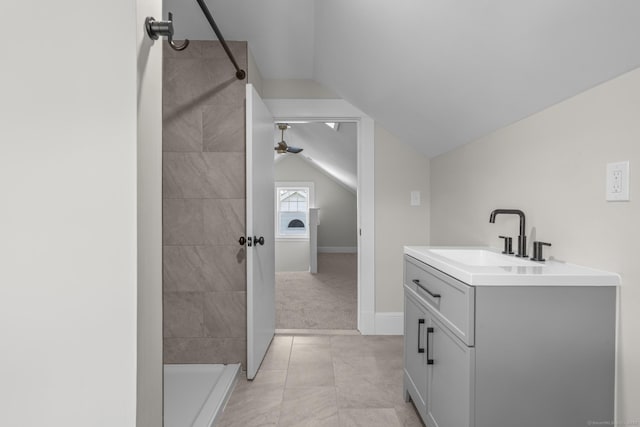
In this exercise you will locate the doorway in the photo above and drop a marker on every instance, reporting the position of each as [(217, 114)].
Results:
[(326, 111), (316, 226)]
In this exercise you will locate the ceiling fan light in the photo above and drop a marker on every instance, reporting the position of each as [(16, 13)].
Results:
[(281, 148)]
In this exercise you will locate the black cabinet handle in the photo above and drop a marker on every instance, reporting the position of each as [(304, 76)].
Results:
[(420, 323), (417, 282), (429, 361), (258, 241)]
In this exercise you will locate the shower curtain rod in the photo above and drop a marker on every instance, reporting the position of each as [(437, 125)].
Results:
[(240, 74)]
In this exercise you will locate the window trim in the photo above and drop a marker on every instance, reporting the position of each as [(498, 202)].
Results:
[(293, 185)]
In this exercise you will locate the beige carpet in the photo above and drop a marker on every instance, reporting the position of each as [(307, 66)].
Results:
[(326, 300)]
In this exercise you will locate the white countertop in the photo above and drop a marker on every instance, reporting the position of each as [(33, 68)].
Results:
[(548, 273)]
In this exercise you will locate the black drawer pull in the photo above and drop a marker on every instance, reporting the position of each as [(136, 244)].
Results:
[(429, 361), (417, 282), (420, 323)]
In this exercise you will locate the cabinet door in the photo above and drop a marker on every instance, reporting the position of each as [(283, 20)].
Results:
[(450, 378), (415, 368)]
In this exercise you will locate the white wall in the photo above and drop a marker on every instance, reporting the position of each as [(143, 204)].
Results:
[(68, 217), (149, 364), (253, 73), (400, 169), (295, 89), (552, 166), (292, 255)]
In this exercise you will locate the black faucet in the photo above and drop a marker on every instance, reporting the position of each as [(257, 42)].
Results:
[(522, 239)]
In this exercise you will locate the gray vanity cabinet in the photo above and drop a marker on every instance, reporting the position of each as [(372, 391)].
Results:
[(415, 363), (507, 356), (438, 367), (449, 388)]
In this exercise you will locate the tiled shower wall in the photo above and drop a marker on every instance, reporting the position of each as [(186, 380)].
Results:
[(204, 278)]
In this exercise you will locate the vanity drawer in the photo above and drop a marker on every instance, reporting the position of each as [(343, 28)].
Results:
[(451, 300)]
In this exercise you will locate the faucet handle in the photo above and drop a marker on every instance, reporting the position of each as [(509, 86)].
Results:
[(508, 242), (537, 251)]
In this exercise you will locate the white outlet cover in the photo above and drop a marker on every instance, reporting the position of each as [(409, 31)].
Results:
[(618, 182)]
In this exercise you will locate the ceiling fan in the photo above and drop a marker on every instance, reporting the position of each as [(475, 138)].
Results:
[(282, 146)]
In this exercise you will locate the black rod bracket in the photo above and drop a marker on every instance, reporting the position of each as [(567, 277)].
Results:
[(156, 29)]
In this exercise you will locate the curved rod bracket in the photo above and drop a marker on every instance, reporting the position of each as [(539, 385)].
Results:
[(156, 29)]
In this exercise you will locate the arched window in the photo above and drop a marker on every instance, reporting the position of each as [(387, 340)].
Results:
[(296, 223), (292, 209)]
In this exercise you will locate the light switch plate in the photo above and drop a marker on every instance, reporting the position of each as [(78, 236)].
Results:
[(618, 181), (415, 198)]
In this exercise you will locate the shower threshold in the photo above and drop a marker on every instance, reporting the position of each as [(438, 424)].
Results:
[(195, 395)]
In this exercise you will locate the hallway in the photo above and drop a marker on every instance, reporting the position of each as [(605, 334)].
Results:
[(326, 300), (322, 380)]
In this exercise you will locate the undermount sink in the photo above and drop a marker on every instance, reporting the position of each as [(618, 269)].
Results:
[(483, 258)]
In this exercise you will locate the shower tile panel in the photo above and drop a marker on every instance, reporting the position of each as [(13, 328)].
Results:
[(216, 52), (205, 350), (183, 222), (223, 128), (190, 83), (184, 269), (183, 314), (224, 221), (181, 128), (203, 175), (204, 268), (194, 83), (229, 268), (224, 314), (202, 74)]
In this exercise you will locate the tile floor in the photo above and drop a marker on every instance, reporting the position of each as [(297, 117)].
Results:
[(325, 380)]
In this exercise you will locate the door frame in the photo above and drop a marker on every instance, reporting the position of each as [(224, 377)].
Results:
[(339, 110)]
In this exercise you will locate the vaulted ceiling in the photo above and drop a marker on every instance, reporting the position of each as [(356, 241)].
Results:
[(436, 73), (331, 151)]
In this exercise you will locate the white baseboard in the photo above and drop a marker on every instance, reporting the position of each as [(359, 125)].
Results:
[(367, 323), (337, 249), (389, 323)]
